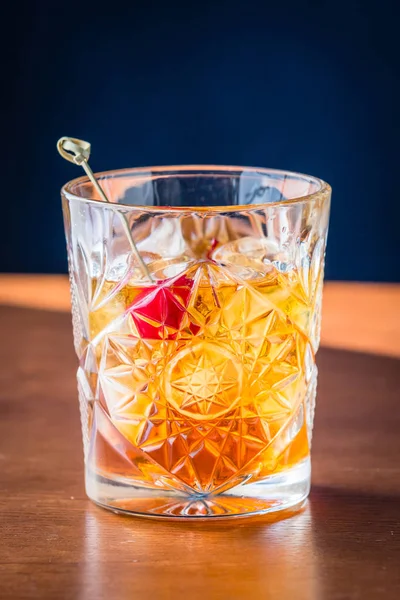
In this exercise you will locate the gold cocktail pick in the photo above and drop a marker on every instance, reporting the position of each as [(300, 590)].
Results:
[(78, 152)]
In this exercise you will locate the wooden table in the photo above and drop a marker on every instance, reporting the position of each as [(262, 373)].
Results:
[(56, 544)]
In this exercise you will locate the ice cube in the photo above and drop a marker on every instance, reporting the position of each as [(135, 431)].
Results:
[(163, 249), (165, 268), (247, 256), (166, 240)]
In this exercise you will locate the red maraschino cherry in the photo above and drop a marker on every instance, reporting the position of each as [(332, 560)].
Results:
[(158, 311)]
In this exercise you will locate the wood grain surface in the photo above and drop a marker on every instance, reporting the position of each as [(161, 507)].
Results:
[(56, 544)]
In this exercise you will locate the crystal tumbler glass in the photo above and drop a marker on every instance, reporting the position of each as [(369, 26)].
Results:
[(196, 301)]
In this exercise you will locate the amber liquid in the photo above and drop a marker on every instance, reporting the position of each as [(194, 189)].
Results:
[(200, 381)]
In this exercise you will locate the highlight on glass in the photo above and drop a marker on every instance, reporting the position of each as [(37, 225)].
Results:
[(196, 299)]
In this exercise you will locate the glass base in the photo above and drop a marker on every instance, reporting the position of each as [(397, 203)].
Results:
[(283, 491)]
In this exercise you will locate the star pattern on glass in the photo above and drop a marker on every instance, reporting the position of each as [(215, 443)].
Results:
[(203, 380)]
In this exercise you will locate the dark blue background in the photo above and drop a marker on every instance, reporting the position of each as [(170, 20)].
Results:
[(311, 86)]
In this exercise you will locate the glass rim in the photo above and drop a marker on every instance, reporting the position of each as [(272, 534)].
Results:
[(152, 173)]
